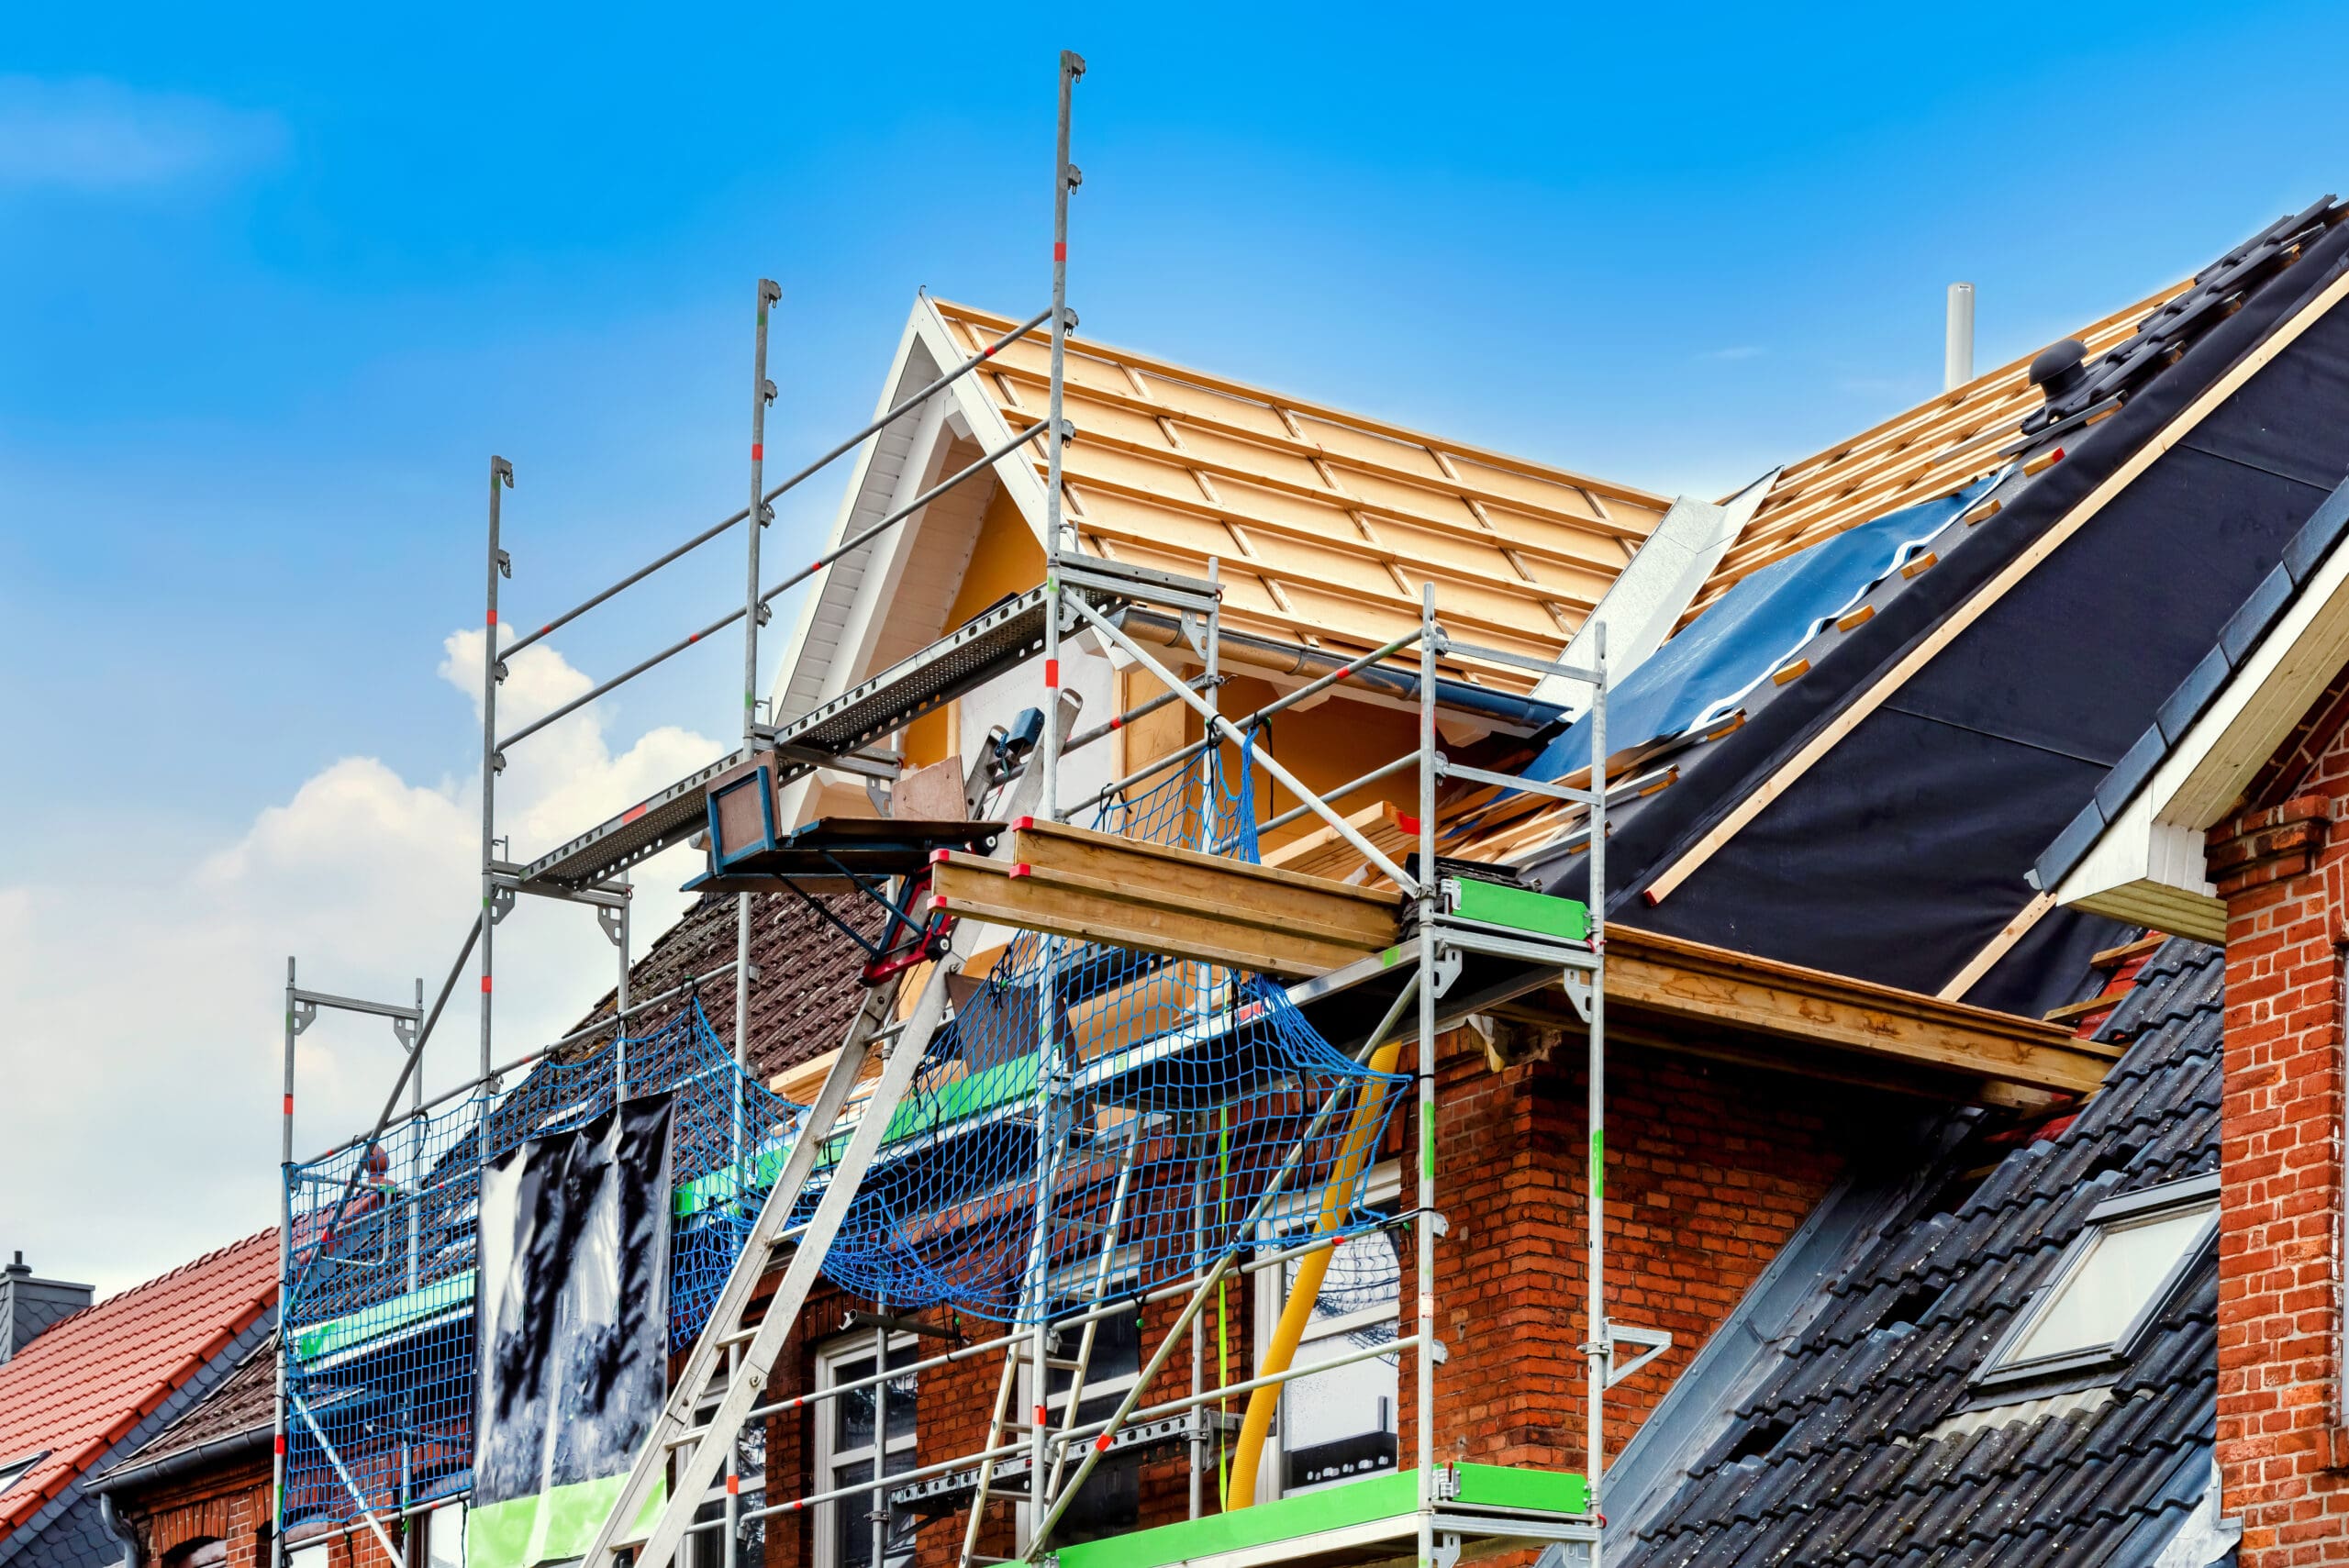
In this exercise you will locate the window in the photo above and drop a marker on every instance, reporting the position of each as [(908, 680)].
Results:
[(1110, 1503), (1340, 1425), (203, 1552), (14, 1470), (845, 1434), (437, 1540), (706, 1548), (2108, 1285)]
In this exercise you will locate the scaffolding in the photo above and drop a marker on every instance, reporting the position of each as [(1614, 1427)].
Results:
[(1213, 995)]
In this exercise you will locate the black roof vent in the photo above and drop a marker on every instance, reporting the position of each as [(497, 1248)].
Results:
[(2057, 370)]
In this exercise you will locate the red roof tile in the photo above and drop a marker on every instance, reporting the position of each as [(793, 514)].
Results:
[(89, 1379)]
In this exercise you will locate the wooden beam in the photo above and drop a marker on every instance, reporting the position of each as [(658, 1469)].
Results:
[(1270, 896), (1670, 978)]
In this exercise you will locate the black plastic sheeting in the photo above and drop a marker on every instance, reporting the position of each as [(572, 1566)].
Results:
[(1901, 854), (574, 1303)]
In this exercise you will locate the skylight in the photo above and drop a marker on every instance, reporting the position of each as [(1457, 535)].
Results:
[(2110, 1282), (14, 1470)]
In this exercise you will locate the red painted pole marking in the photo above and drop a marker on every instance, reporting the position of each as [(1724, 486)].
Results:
[(1051, 675), (485, 984)]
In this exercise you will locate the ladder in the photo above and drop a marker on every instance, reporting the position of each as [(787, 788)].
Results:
[(745, 1356), (1019, 1353)]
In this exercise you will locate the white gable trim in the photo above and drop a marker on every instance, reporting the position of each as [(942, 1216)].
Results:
[(840, 626)]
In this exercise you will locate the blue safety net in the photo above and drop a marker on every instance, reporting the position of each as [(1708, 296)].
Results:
[(1098, 1121), (1173, 1112)]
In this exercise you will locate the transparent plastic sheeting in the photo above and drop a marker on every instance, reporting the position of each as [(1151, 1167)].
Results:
[(1164, 1102)]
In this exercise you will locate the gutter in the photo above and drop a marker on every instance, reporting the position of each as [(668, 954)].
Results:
[(253, 1440), (1519, 713)]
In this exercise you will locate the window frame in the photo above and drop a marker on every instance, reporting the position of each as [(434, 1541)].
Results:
[(1080, 1274), (857, 1345), (1384, 1185), (2118, 1213)]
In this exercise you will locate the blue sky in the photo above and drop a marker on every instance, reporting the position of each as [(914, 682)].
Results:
[(272, 288)]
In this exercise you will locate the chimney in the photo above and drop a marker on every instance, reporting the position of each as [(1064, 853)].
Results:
[(1958, 345), (28, 1305)]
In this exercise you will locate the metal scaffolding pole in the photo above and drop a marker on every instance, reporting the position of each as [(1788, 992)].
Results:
[(285, 1282), (1423, 1227), (1600, 1349), (493, 669), (754, 612)]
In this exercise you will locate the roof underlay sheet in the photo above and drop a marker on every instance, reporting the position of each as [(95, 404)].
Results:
[(1700, 676)]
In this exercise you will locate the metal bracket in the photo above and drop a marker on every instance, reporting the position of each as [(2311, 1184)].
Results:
[(1193, 630), (1447, 1551), (501, 904), (1577, 988), (1657, 1342), (1449, 961), (610, 919), (506, 557), (305, 1015)]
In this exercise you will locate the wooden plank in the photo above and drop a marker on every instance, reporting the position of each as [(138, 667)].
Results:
[(1182, 375), (1966, 615), (985, 890), (1065, 847), (2113, 958), (1324, 853), (1672, 978)]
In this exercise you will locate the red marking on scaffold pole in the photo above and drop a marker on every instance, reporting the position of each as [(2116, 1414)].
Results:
[(694, 638), (1060, 249), (1051, 675), (1101, 1443), (1119, 722), (758, 451), (733, 1486), (485, 984), (633, 812), (546, 628), (493, 615), (987, 353), (281, 1442), (289, 1105), (1042, 1416)]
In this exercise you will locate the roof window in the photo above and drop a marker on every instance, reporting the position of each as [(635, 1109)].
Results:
[(14, 1470), (2109, 1284)]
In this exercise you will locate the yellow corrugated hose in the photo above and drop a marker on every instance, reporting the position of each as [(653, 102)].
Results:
[(1362, 1133)]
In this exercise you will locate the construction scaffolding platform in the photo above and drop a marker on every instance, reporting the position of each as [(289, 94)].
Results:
[(1179, 1067), (1478, 1508)]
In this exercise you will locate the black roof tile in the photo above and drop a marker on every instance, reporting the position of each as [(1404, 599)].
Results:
[(1858, 1477)]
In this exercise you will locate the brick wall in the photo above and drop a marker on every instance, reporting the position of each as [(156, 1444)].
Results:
[(230, 1503), (2281, 868)]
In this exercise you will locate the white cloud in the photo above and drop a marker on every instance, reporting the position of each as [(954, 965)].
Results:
[(91, 134), (140, 1068), (1735, 352)]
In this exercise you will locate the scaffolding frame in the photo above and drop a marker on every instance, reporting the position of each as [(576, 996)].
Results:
[(1079, 595)]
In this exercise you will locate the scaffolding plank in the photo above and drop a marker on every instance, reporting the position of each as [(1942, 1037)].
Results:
[(1092, 910), (1269, 895)]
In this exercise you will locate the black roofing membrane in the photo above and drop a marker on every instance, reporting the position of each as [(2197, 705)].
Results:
[(1900, 853)]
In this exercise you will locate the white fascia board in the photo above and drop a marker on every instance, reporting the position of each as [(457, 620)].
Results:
[(2150, 856), (987, 425), (1654, 589)]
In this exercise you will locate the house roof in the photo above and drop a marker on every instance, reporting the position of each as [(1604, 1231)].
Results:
[(1325, 522), (90, 1379), (1860, 1444), (809, 985), (240, 1405), (1941, 728), (1941, 445)]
